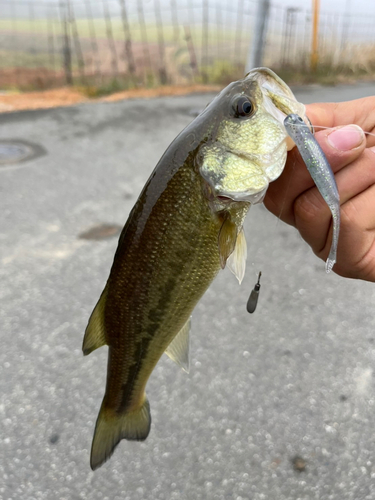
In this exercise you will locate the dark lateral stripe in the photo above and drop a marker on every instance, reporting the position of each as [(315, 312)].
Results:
[(127, 387)]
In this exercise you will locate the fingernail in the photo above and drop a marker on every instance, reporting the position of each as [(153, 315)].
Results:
[(346, 138)]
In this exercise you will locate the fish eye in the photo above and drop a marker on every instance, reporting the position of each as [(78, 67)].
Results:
[(300, 119), (242, 106)]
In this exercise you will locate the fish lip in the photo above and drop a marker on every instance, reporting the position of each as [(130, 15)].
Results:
[(252, 198)]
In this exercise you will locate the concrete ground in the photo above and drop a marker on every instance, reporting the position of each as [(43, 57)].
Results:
[(278, 405)]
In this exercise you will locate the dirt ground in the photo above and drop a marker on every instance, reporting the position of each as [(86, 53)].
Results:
[(66, 96)]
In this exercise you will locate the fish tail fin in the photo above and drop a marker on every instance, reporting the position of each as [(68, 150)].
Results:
[(95, 330), (111, 427)]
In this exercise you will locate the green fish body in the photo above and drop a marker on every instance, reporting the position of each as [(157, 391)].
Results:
[(185, 226)]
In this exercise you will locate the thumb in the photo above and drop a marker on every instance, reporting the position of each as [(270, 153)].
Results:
[(342, 145)]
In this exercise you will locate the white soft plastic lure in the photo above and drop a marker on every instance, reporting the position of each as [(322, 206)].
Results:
[(321, 172)]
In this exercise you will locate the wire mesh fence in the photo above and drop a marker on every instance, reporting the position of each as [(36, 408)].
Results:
[(149, 42)]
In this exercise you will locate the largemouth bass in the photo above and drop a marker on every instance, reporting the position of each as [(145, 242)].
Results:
[(184, 228), (321, 173)]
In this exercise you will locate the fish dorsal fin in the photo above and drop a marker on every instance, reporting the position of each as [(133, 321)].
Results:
[(227, 240), (95, 331), (178, 349), (237, 259)]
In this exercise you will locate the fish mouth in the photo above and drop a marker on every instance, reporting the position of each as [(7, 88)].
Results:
[(278, 99), (252, 198)]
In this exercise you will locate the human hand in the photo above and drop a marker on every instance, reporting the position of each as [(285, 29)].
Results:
[(294, 198)]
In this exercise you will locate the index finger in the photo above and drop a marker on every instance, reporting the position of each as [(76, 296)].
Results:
[(333, 114)]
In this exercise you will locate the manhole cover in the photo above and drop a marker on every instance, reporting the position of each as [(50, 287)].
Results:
[(101, 232), (15, 151)]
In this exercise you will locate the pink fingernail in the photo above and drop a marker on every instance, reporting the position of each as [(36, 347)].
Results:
[(346, 138)]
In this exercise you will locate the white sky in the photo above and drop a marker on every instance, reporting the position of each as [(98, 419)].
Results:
[(360, 7), (354, 6)]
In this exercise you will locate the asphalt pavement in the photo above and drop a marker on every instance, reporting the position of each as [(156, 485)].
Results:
[(278, 405)]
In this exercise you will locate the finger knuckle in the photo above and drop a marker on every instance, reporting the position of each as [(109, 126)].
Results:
[(307, 207)]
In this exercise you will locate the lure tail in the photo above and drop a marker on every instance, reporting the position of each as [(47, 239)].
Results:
[(112, 426)]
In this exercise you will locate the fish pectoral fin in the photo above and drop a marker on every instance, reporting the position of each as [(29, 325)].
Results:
[(178, 350), (112, 426), (237, 259), (227, 240), (95, 331)]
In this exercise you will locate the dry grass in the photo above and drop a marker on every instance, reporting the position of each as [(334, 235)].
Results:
[(68, 96)]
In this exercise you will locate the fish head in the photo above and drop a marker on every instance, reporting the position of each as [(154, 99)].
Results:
[(248, 147)]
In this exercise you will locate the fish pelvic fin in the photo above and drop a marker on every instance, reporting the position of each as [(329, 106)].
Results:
[(111, 427), (237, 259), (227, 240), (95, 330)]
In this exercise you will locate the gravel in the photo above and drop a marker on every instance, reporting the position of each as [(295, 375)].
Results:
[(278, 405)]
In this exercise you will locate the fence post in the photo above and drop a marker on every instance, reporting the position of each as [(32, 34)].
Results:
[(289, 33), (110, 38), (145, 46), (345, 26), (238, 39), (15, 41), (76, 42), (190, 46), (159, 26), (128, 40), (93, 39), (67, 54), (204, 57), (50, 40), (255, 54), (314, 51), (174, 20)]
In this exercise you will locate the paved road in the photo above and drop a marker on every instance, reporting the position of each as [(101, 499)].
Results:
[(294, 379)]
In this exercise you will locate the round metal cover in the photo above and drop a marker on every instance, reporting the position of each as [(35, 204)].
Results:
[(15, 151)]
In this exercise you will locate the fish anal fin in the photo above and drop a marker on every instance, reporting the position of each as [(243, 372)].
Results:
[(227, 240), (111, 427), (95, 330), (237, 260), (178, 349)]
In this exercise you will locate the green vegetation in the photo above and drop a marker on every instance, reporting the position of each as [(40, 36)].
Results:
[(23, 59), (36, 59), (328, 73), (107, 87), (42, 28), (221, 72)]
